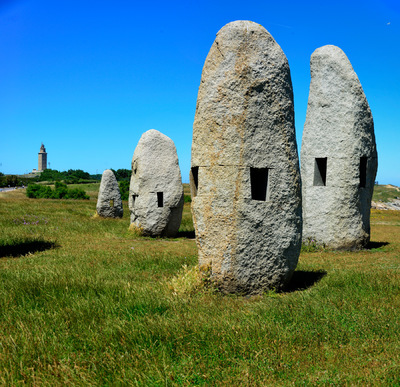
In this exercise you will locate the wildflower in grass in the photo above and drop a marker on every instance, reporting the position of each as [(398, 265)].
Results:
[(30, 220), (311, 245)]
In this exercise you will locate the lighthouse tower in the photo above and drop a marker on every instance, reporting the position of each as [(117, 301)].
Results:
[(42, 158)]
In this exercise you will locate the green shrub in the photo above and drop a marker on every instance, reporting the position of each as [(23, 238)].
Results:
[(76, 193), (71, 176), (122, 174), (124, 189), (33, 190), (13, 180), (60, 191)]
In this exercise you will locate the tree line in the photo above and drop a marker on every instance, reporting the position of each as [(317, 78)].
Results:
[(72, 176)]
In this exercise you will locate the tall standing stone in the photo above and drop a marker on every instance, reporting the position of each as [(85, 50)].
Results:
[(338, 154), (109, 203), (245, 178), (156, 191)]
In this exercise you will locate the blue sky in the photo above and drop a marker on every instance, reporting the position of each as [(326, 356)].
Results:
[(87, 77)]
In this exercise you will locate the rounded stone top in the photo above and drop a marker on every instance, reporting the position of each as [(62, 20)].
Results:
[(152, 132), (156, 150), (241, 25), (108, 172), (328, 50), (339, 122), (154, 135), (245, 85), (331, 58), (237, 30)]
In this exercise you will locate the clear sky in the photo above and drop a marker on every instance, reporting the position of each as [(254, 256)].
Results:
[(88, 77)]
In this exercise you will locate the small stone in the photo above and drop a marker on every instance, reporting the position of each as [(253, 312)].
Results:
[(338, 154), (109, 203), (245, 177), (156, 191)]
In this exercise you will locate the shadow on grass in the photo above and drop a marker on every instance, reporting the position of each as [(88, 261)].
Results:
[(186, 234), (302, 280), (23, 247), (375, 245)]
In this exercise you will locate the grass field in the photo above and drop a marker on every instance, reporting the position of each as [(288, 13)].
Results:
[(85, 302), (385, 193)]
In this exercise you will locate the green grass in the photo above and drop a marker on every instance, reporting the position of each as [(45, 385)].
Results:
[(186, 189), (384, 193), (85, 302), (92, 189)]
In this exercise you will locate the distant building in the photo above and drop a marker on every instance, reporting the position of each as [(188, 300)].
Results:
[(42, 159)]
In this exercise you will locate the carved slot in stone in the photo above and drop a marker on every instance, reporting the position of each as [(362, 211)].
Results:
[(133, 199), (259, 183), (112, 203), (363, 172), (195, 176), (320, 171), (160, 199)]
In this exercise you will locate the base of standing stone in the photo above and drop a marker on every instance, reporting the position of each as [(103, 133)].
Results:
[(136, 230)]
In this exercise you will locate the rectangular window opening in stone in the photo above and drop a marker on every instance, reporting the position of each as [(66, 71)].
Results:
[(259, 183), (195, 179), (320, 171), (133, 199), (112, 203), (160, 199), (363, 172)]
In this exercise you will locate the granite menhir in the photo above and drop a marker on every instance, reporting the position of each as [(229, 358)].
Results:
[(109, 203), (156, 191), (338, 154), (245, 178)]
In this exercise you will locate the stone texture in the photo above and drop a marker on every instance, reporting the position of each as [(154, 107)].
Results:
[(340, 128), (245, 122), (156, 191), (109, 203)]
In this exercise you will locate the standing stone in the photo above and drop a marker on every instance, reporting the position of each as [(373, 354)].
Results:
[(338, 154), (245, 178), (109, 203), (156, 191)]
